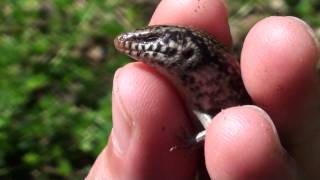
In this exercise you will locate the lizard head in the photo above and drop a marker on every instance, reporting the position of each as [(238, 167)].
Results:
[(163, 47)]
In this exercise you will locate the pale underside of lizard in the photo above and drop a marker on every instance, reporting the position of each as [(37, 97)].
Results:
[(204, 72)]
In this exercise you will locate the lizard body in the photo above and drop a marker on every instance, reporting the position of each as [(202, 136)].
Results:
[(203, 71)]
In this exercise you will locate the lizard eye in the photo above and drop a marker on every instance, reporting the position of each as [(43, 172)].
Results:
[(187, 53)]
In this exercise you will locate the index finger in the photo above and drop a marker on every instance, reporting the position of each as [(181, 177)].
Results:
[(208, 15)]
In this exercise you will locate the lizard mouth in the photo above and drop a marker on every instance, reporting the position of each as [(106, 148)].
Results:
[(125, 46), (140, 42), (144, 46), (135, 48)]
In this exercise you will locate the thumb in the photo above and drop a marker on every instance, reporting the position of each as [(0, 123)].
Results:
[(242, 143)]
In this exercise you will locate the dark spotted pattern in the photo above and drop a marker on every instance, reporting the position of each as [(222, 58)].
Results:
[(201, 68)]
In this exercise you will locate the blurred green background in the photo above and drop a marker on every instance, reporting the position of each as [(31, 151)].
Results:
[(56, 68)]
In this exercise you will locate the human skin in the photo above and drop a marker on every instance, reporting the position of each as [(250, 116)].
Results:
[(276, 139)]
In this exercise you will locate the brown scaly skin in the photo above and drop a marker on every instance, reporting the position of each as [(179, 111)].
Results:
[(203, 71)]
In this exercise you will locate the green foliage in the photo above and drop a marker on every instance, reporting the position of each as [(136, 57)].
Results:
[(56, 67), (307, 10)]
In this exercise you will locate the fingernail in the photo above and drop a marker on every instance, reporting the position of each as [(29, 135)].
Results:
[(122, 121), (309, 30)]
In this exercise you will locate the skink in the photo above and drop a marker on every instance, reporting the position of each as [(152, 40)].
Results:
[(203, 71)]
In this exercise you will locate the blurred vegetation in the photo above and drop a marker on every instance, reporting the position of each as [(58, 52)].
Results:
[(243, 14), (56, 68)]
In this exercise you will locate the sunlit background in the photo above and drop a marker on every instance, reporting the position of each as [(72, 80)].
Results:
[(56, 68)]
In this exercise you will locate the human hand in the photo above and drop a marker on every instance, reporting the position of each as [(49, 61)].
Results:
[(278, 63)]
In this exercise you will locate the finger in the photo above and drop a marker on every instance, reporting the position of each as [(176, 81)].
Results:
[(152, 149), (208, 15), (242, 143), (278, 64), (147, 114)]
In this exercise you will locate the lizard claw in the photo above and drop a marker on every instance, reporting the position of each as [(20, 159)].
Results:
[(190, 143)]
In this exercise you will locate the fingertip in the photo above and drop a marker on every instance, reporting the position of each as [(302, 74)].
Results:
[(208, 15), (280, 43), (309, 30), (278, 64), (242, 143)]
